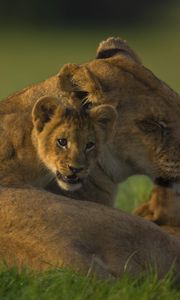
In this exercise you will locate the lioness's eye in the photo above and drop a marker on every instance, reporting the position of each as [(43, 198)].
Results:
[(62, 143), (89, 146)]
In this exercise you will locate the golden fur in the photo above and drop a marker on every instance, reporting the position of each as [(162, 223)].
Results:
[(42, 231), (32, 149), (162, 208), (146, 136), (46, 230)]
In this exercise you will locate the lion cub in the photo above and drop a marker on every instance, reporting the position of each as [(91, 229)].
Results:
[(56, 142)]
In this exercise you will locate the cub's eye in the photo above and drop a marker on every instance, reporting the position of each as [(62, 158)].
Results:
[(62, 143), (89, 146)]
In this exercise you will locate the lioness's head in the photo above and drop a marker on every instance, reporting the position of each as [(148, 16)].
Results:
[(146, 139), (69, 139)]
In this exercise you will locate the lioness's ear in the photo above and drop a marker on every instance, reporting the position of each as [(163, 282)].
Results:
[(43, 111), (66, 83), (115, 46), (79, 79), (105, 117)]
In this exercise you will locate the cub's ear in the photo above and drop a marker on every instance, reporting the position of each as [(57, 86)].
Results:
[(115, 46), (105, 117), (43, 111)]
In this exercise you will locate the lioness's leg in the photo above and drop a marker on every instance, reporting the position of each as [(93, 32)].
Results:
[(162, 207)]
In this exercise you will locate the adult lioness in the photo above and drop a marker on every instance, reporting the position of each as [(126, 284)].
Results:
[(56, 142), (42, 231), (146, 136)]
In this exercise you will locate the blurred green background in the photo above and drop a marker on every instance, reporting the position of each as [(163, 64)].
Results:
[(38, 37)]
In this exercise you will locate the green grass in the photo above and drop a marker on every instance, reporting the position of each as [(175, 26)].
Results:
[(66, 285), (31, 55), (133, 192)]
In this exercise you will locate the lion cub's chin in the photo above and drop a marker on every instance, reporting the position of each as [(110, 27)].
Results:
[(69, 187)]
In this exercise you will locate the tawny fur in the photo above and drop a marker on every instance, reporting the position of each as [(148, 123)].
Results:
[(147, 132), (30, 155), (146, 138), (162, 208), (41, 230)]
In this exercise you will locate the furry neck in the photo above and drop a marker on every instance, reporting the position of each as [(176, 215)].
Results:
[(117, 170)]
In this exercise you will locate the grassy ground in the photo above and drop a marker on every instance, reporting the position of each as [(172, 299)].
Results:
[(65, 285), (134, 191), (28, 56)]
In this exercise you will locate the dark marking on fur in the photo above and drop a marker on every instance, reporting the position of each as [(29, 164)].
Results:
[(111, 52), (86, 106), (81, 95), (68, 112), (23, 139), (164, 182), (11, 152), (71, 113)]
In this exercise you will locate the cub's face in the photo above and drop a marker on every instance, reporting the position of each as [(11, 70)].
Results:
[(68, 140)]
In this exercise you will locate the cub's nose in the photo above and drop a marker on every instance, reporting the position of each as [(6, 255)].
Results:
[(75, 170)]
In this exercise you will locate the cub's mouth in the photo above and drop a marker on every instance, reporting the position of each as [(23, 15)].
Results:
[(70, 182), (72, 179)]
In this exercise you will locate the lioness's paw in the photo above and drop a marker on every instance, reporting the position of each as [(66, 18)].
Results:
[(154, 210), (145, 212)]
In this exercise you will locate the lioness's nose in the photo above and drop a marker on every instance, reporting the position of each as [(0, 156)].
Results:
[(75, 169)]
